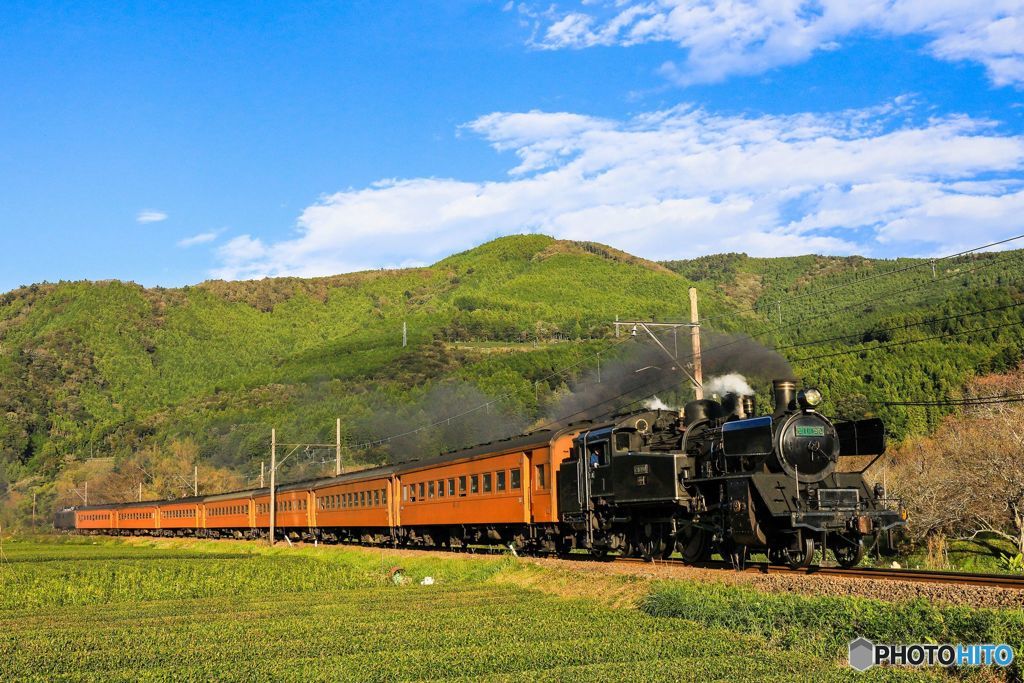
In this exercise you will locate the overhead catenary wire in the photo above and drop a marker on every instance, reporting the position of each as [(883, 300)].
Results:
[(952, 402), (927, 283), (888, 345), (625, 393), (906, 326), (913, 266)]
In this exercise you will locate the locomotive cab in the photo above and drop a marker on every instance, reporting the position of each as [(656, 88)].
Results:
[(635, 464)]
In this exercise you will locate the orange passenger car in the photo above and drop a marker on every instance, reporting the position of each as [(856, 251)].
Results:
[(181, 514), (139, 516), (292, 507), (359, 500), (96, 517), (228, 511)]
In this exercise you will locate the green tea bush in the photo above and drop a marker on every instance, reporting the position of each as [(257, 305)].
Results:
[(825, 625)]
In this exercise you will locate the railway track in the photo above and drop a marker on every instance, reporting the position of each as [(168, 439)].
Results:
[(916, 575), (1007, 581)]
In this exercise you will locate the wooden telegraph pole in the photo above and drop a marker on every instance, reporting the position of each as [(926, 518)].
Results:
[(337, 448), (273, 484), (263, 467), (698, 370)]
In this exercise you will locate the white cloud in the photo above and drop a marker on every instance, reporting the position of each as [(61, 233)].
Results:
[(679, 183), (751, 36), (201, 238), (151, 216)]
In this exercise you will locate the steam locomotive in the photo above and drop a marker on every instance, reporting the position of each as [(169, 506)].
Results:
[(715, 478), (720, 478)]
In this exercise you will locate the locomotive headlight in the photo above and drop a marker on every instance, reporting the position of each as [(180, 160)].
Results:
[(808, 398)]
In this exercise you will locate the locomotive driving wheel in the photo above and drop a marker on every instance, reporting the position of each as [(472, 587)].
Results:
[(848, 553), (800, 554), (650, 544), (693, 545)]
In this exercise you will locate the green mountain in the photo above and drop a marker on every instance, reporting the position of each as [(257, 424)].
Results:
[(156, 378)]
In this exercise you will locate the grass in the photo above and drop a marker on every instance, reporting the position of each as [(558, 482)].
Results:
[(824, 625), (87, 609), (980, 556)]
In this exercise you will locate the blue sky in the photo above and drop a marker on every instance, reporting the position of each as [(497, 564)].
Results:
[(168, 143)]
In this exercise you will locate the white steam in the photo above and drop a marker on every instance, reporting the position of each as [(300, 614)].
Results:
[(656, 404), (733, 383)]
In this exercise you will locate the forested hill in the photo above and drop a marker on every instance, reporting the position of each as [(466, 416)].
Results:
[(116, 383)]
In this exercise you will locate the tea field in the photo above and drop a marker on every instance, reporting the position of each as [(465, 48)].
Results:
[(85, 610)]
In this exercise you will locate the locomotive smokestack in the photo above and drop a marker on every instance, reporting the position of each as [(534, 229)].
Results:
[(784, 393)]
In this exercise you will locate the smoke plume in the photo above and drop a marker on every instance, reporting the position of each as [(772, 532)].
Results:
[(732, 383), (725, 354), (656, 403)]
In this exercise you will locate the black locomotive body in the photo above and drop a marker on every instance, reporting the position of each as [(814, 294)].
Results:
[(719, 478)]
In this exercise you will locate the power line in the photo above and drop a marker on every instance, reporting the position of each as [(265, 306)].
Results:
[(907, 342), (929, 262), (883, 346), (906, 326), (383, 440), (641, 385), (974, 401)]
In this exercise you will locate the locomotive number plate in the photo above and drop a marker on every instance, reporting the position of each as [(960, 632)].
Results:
[(641, 469), (805, 430)]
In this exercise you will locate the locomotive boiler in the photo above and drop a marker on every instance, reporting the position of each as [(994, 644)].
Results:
[(720, 478)]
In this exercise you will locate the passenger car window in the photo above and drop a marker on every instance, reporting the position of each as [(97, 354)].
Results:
[(440, 488), (430, 490), (499, 481), (376, 497), (514, 482), (541, 482), (462, 485), (451, 487), (487, 483), (474, 484)]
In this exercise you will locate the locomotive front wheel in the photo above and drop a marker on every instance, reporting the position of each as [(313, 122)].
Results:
[(849, 554), (693, 546), (800, 555)]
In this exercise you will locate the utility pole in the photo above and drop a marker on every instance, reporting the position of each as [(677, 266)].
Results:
[(86, 493), (140, 491), (405, 334), (698, 370), (337, 445), (33, 510), (273, 484), (195, 481), (263, 466)]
